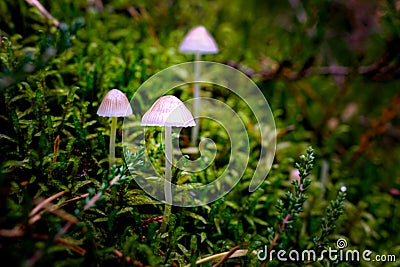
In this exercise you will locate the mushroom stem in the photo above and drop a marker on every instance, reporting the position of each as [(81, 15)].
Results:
[(168, 163), (168, 177), (112, 140), (196, 108)]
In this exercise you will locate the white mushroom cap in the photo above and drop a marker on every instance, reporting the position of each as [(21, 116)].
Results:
[(168, 111), (197, 40), (114, 104)]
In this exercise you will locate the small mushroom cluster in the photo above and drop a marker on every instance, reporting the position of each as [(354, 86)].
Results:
[(168, 111)]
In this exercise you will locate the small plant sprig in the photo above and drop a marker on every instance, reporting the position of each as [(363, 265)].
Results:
[(333, 212), (292, 204)]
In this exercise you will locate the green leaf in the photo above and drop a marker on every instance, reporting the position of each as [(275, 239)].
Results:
[(232, 204), (3, 136), (195, 216), (138, 197), (125, 210), (259, 221), (203, 236), (104, 219), (184, 250)]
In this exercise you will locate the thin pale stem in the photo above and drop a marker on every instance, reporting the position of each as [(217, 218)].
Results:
[(44, 11), (196, 95), (168, 164), (168, 177), (235, 254), (112, 140)]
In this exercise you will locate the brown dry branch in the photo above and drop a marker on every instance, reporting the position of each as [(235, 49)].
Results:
[(385, 68), (378, 126)]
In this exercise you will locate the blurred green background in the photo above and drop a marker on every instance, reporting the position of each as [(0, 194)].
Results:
[(329, 69)]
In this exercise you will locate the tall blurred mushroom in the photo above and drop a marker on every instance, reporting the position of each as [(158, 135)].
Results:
[(197, 41), (114, 105), (168, 111)]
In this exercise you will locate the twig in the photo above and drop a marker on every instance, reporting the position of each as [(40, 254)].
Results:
[(32, 260), (17, 231), (53, 208), (284, 70), (43, 11), (96, 197), (230, 252), (46, 202), (378, 126), (133, 12), (127, 259), (330, 70), (74, 199), (62, 231), (35, 215), (277, 235), (97, 3), (237, 253), (64, 242)]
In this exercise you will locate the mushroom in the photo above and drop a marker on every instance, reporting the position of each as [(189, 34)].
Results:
[(197, 41), (168, 111), (114, 105)]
